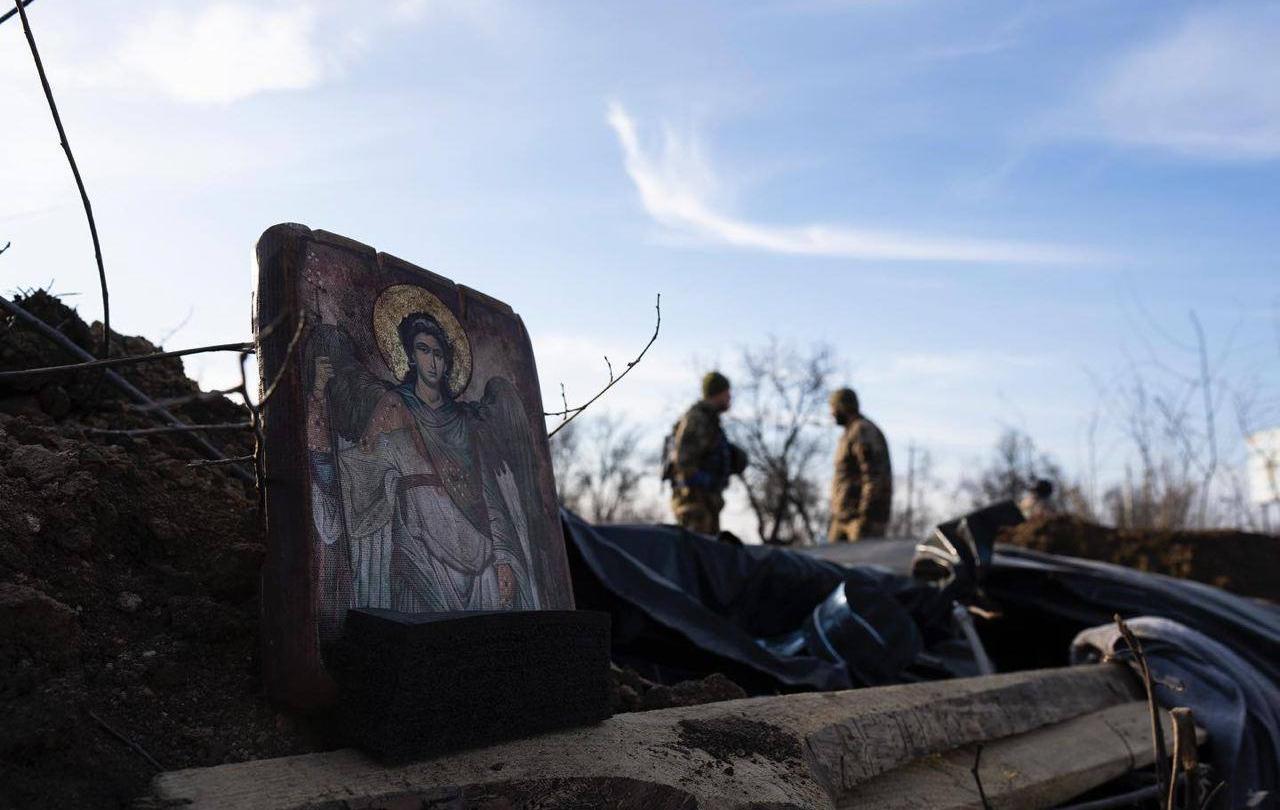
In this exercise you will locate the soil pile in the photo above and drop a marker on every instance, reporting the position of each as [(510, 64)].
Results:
[(128, 583), (1244, 563)]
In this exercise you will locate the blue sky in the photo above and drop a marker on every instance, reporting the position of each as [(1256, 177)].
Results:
[(983, 207)]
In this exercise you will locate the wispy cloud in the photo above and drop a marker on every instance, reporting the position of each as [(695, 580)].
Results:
[(677, 187), (1209, 88), (225, 51), (215, 52)]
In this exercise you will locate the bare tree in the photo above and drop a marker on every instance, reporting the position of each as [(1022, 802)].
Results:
[(779, 411), (1014, 466), (599, 465), (564, 459), (1178, 472), (913, 514)]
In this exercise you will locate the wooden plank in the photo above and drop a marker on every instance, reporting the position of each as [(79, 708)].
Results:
[(806, 750), (1040, 768)]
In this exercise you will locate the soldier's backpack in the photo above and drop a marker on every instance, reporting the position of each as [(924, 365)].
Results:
[(669, 455)]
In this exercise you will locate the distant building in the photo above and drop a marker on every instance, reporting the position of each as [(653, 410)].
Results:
[(1264, 466), (1263, 469)]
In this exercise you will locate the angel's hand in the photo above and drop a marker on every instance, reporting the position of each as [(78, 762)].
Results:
[(317, 429), (506, 585)]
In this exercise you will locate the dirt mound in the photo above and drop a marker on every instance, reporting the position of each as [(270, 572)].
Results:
[(127, 584), (1244, 563)]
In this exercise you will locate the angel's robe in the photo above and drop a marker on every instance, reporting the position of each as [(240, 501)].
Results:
[(428, 517)]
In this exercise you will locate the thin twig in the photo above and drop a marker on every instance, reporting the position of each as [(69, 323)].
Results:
[(169, 429), (255, 416), (1157, 730), (1186, 757), (1213, 794), (268, 330), (7, 245), (11, 12), (569, 414), (977, 778), (19, 6), (133, 746), (173, 402), (288, 352), (125, 361), (210, 462), (115, 379)]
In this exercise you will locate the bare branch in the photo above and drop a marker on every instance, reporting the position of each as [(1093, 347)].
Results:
[(124, 361), (284, 364), (169, 429), (131, 744), (7, 245), (216, 462), (569, 414), (19, 6), (11, 12), (255, 415), (1157, 730), (1211, 432)]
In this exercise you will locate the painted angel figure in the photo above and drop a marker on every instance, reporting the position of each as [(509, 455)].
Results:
[(423, 502)]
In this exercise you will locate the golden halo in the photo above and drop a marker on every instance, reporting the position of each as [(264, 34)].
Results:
[(400, 300)]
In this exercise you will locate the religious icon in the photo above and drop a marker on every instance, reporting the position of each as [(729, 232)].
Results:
[(420, 498), (411, 471)]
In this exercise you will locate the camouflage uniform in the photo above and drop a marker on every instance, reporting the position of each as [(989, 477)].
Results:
[(862, 489), (1038, 501), (701, 463)]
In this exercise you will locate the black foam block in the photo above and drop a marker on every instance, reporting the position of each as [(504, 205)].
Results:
[(417, 685)]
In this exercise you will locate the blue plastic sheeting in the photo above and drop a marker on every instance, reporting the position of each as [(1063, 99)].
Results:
[(1238, 705)]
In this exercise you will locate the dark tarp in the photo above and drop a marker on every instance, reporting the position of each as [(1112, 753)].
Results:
[(676, 596), (684, 605), (1075, 594)]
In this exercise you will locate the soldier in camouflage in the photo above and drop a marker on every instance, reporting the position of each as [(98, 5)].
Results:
[(1038, 500), (862, 489), (700, 459)]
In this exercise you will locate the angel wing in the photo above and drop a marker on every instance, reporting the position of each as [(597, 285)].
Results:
[(353, 392), (506, 439)]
